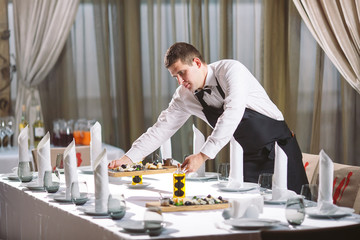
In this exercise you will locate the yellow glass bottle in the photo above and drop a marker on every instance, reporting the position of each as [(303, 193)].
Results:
[(23, 121), (38, 127)]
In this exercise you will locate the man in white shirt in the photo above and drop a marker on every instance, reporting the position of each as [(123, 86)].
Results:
[(228, 97)]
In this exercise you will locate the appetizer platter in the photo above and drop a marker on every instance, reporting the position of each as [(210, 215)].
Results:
[(194, 204), (128, 170)]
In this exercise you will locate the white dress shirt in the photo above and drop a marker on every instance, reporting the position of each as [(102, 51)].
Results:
[(241, 89)]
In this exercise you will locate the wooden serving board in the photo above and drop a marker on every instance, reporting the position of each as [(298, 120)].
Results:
[(173, 208), (165, 169)]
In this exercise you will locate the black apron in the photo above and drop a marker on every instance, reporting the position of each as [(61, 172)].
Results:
[(257, 135)]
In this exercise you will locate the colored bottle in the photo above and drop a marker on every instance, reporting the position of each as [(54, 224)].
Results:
[(38, 127)]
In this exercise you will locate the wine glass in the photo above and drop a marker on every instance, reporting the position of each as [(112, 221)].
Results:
[(2, 133), (10, 129), (79, 191), (116, 206), (265, 182), (310, 193), (153, 220), (51, 181), (223, 172), (24, 172), (295, 211)]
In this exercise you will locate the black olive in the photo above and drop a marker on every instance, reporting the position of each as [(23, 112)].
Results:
[(171, 201), (187, 203), (220, 198), (123, 166), (209, 196)]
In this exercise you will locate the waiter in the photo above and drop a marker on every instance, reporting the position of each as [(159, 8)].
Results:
[(228, 97)]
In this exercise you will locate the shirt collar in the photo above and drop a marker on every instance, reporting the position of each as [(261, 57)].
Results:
[(210, 80)]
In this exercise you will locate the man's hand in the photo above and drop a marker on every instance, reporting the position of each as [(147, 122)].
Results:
[(193, 162), (118, 162)]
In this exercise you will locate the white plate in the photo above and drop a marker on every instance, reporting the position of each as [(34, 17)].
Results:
[(86, 169), (137, 186), (341, 212), (12, 177), (275, 202), (246, 187), (34, 186), (208, 175), (62, 199), (251, 223), (136, 226), (91, 212)]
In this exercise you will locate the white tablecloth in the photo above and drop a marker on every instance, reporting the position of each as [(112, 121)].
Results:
[(9, 157), (35, 215)]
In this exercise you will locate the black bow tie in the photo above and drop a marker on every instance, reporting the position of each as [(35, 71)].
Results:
[(200, 93)]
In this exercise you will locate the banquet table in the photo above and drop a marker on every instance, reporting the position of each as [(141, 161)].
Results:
[(9, 157), (29, 214)]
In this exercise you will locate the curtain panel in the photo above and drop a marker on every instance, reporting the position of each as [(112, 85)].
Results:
[(39, 40), (335, 26)]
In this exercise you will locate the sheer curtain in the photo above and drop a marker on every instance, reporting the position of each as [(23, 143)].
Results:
[(39, 39), (131, 86)]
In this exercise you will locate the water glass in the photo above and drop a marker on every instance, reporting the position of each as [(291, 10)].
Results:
[(116, 206), (223, 172), (79, 191), (51, 181), (153, 220), (265, 182), (310, 194), (295, 211), (24, 172)]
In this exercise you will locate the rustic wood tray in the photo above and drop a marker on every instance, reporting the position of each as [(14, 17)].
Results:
[(173, 208), (165, 169)]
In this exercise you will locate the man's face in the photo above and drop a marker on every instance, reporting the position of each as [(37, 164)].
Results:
[(190, 76)]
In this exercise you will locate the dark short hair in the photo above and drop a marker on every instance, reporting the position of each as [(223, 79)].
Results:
[(181, 51)]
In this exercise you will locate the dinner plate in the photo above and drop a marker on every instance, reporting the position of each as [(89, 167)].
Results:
[(86, 169), (34, 186), (275, 202), (12, 176), (246, 187), (91, 212), (62, 198), (208, 175), (137, 186), (251, 223), (340, 212), (134, 226)]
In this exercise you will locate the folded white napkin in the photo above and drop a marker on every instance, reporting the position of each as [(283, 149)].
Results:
[(43, 158), (246, 205), (101, 180), (165, 149), (95, 142), (279, 184), (326, 176), (23, 142), (70, 167), (236, 175), (198, 142)]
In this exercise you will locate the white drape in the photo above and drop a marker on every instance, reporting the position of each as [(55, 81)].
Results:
[(335, 26), (41, 29)]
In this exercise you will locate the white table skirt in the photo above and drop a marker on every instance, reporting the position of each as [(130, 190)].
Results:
[(35, 215)]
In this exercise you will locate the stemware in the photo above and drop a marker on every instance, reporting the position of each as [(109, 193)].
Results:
[(79, 191), (24, 172), (3, 134), (295, 211), (265, 182), (310, 193), (51, 181), (153, 220), (116, 206), (223, 172)]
